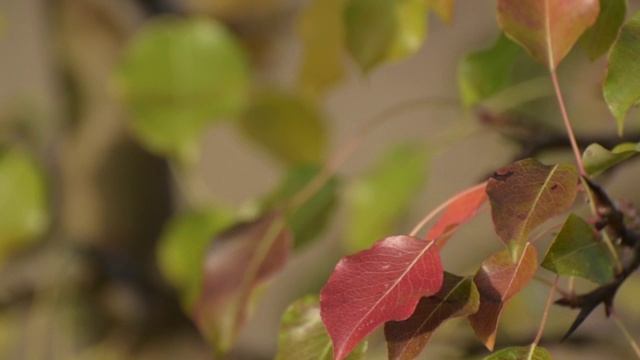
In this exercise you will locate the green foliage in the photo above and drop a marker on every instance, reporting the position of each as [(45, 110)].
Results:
[(598, 159), (177, 77), (24, 202), (521, 353), (598, 38), (620, 93)]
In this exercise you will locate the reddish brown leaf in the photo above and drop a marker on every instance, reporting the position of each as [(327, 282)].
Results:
[(239, 260), (462, 209), (457, 297), (527, 193), (498, 280), (547, 28), (377, 285)]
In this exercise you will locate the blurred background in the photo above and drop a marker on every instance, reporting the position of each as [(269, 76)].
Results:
[(101, 197)]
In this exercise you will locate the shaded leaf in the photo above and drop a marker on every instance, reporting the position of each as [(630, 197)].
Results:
[(527, 193), (23, 201), (411, 29), (597, 159), (576, 252), (462, 209), (287, 126), (377, 200), (308, 220), (499, 279), (521, 353), (179, 75), (547, 28), (484, 73), (621, 85), (377, 285), (321, 29), (458, 297), (239, 260), (303, 337), (442, 8), (598, 38), (182, 248)]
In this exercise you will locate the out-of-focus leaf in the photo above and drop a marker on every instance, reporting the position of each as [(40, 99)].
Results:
[(576, 252), (309, 219), (377, 200), (383, 283), (547, 28), (411, 29), (303, 337), (597, 159), (499, 279), (598, 39), (462, 209), (484, 73), (178, 76), (527, 193), (183, 246), (321, 29), (621, 85), (442, 8), (521, 353), (23, 201), (240, 259), (287, 126), (458, 297)]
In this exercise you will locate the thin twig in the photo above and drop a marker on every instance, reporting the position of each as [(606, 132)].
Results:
[(627, 334)]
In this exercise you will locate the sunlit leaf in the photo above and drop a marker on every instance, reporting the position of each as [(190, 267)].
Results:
[(309, 219), (287, 126), (321, 29), (521, 353), (576, 252), (406, 339), (621, 87), (527, 193), (597, 159), (303, 337), (442, 8), (377, 200), (182, 249), (377, 285), (23, 201), (239, 260), (411, 29), (598, 38), (484, 73), (499, 279), (547, 28), (179, 75), (464, 208)]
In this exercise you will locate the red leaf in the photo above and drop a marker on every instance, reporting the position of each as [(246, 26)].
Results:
[(547, 28), (462, 209), (457, 297), (498, 280), (377, 285), (239, 260)]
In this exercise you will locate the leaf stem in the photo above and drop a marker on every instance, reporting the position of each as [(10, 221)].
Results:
[(567, 123), (545, 315), (626, 333)]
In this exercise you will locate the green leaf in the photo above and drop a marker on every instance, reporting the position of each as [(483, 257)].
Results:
[(521, 353), (177, 76), (484, 73), (597, 159), (23, 202), (377, 200), (309, 219), (411, 29), (321, 29), (458, 297), (527, 193), (576, 252), (303, 337), (546, 28), (182, 248), (621, 88), (287, 126), (598, 39)]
